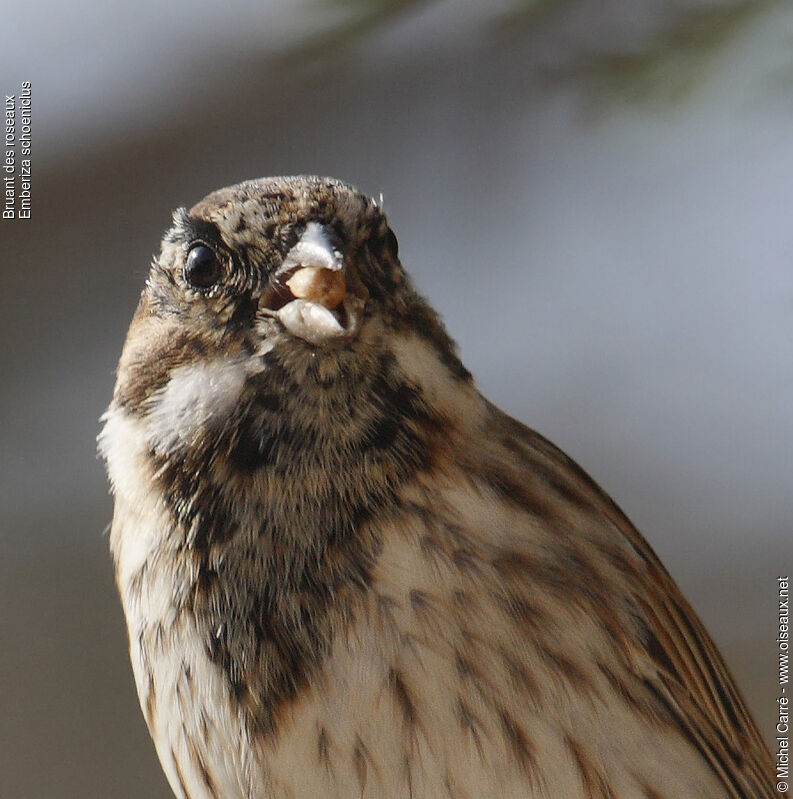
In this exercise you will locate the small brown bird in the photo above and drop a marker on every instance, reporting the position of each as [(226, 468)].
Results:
[(346, 574)]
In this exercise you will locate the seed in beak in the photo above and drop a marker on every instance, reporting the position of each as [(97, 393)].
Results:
[(317, 284)]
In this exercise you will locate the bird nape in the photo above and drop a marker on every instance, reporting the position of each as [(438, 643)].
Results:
[(347, 574)]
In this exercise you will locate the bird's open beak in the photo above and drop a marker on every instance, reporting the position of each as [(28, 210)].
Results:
[(311, 293)]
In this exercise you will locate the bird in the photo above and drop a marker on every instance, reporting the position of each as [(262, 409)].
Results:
[(346, 573)]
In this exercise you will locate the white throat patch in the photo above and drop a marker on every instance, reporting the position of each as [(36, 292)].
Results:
[(196, 394)]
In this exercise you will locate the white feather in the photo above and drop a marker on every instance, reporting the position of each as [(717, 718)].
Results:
[(195, 395)]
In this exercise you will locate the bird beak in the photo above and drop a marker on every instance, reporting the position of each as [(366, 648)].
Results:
[(309, 293)]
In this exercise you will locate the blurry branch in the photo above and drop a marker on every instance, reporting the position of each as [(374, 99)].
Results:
[(365, 17), (668, 65), (664, 65), (525, 14)]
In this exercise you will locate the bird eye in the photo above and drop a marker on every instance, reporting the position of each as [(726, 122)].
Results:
[(202, 269)]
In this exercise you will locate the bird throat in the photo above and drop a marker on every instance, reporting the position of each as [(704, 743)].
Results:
[(271, 513)]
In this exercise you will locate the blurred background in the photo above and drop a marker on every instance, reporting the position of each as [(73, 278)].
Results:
[(595, 195)]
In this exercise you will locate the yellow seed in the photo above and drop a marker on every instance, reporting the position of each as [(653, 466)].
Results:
[(317, 284)]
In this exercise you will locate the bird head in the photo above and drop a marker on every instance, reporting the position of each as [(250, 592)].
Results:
[(278, 342), (303, 267)]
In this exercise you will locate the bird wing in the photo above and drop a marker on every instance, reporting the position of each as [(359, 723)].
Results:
[(679, 663), (690, 677)]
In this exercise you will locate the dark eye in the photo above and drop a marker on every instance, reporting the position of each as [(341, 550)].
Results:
[(202, 269)]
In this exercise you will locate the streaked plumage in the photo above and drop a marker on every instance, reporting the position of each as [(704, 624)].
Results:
[(346, 574)]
